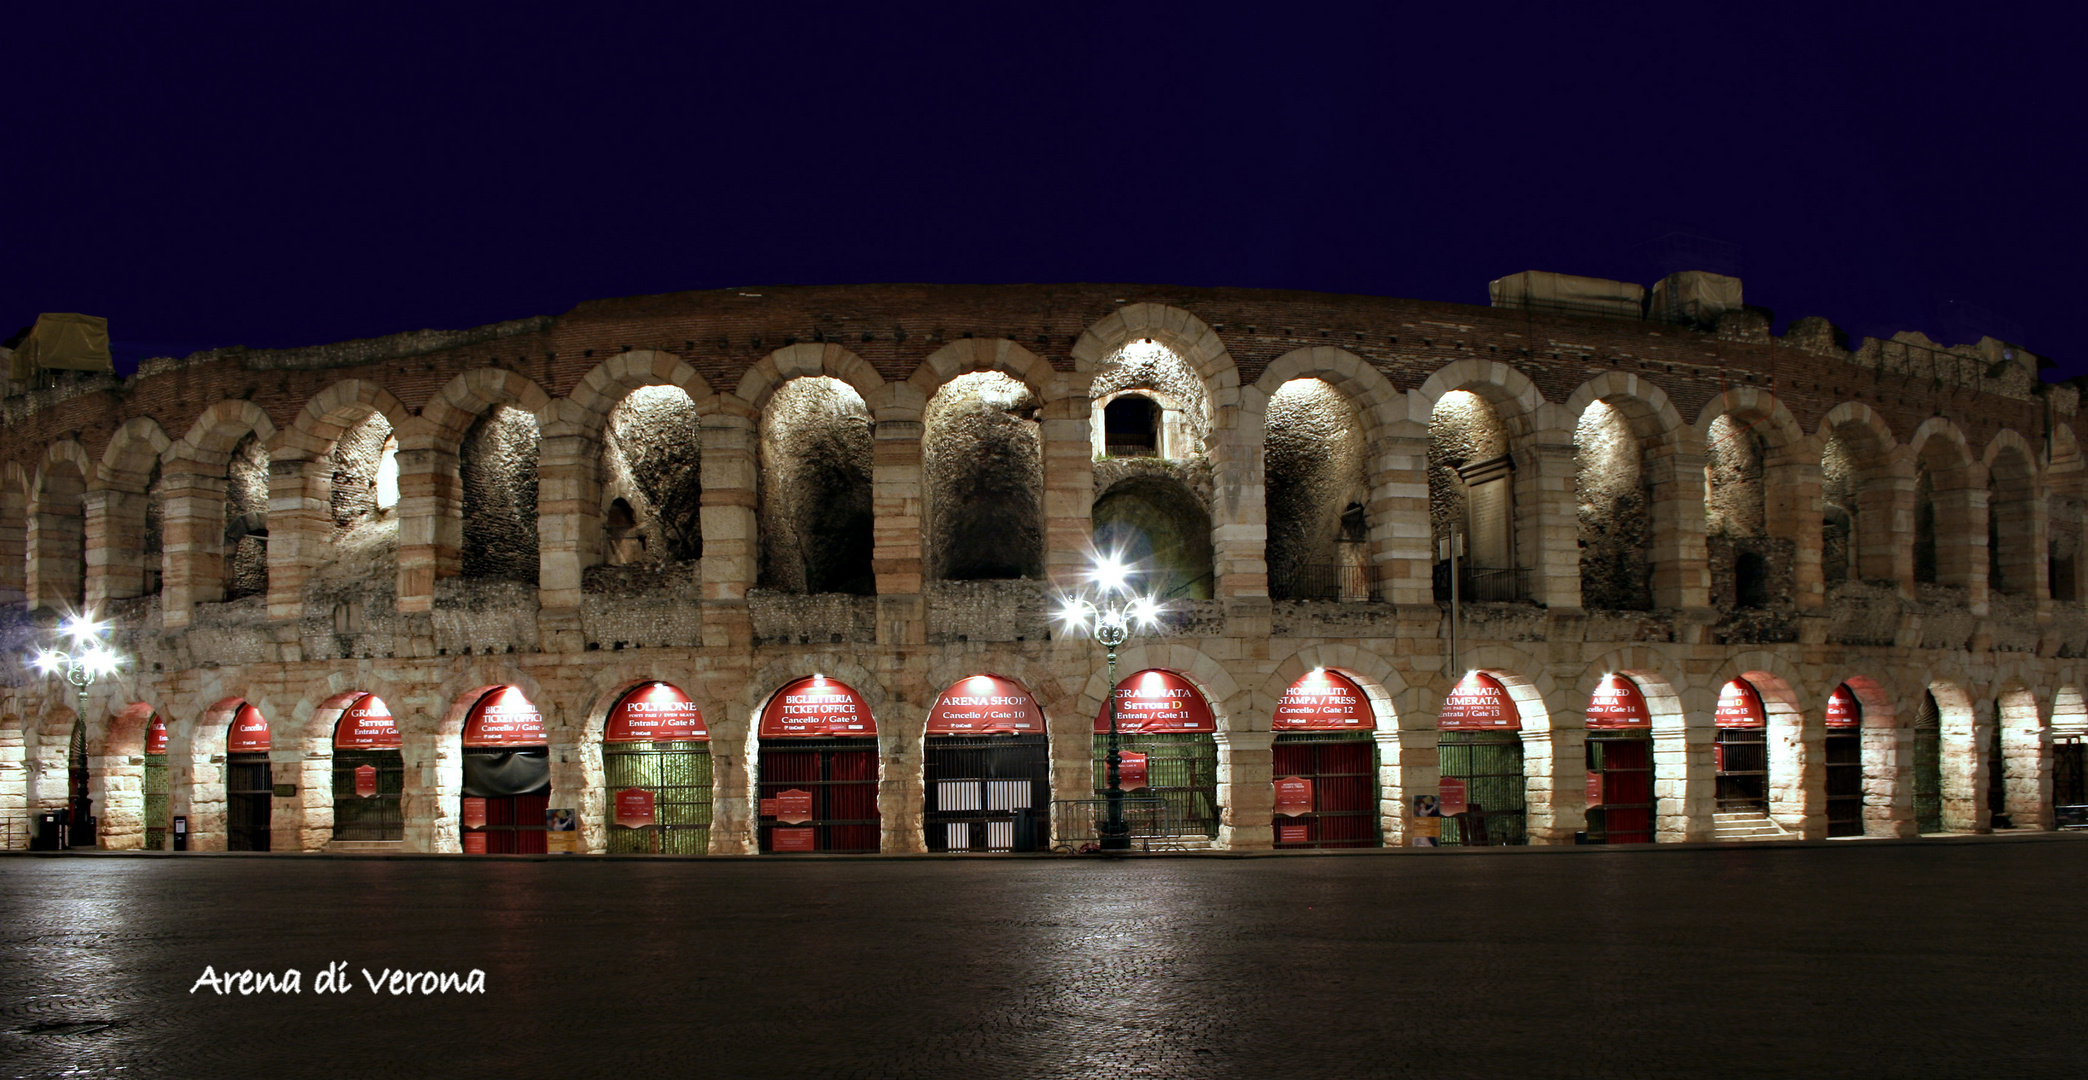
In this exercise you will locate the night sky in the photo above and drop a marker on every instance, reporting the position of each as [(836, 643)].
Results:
[(270, 176)]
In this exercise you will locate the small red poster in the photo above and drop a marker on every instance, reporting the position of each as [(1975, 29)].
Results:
[(366, 781), (1156, 701), (1594, 790), (1293, 796), (1843, 710), (504, 717), (794, 805), (474, 812), (1479, 703), (985, 703), (366, 724), (1323, 701), (1131, 770), (1718, 757), (1739, 706), (791, 839), (768, 808), (156, 736), (249, 732), (634, 808), (1617, 704), (1453, 801), (474, 843), (816, 707), (1293, 834), (655, 712)]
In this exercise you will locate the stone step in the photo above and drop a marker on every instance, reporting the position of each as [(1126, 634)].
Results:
[(1747, 825), (368, 846)]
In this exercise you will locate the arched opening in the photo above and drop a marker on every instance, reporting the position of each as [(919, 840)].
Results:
[(1839, 512), (1131, 426), (1325, 764), (1928, 765), (153, 536), (1749, 568), (816, 519), (1740, 753), (2069, 759), (1615, 513), (79, 803), (1947, 525), (1620, 763), (369, 773), (651, 479), (1154, 524), (1844, 753), (2012, 553), (246, 519), (986, 767), (497, 466), (2062, 548), (1479, 744), (1316, 484), (1925, 570), (249, 782), (656, 762), (57, 539), (817, 768), (159, 809), (1148, 402), (983, 473), (1167, 746), (507, 776), (1471, 500), (14, 528)]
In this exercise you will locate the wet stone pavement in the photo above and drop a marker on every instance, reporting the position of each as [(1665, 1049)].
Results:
[(1918, 959)]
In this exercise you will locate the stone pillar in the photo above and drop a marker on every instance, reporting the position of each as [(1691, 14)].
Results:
[(1399, 526), (1246, 789), (1791, 511), (1681, 569), (1885, 526), (569, 513), (1069, 489), (896, 505), (1965, 771), (116, 783), (901, 797), (300, 529), (1409, 764), (1685, 783), (1797, 773), (431, 533), (115, 531), (733, 820), (2026, 749), (286, 816), (14, 552), (193, 531), (312, 771), (1239, 510), (1555, 789), (1888, 780), (731, 541), (1961, 533), (434, 789), (1547, 513), (56, 541)]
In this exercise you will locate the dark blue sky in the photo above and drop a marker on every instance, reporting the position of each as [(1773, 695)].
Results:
[(272, 176)]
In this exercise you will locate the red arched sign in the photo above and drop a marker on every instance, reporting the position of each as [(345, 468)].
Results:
[(1156, 702), (985, 704), (504, 717), (655, 712), (1323, 701), (1739, 706), (1843, 710), (249, 732), (156, 735), (366, 725), (1617, 705), (1479, 703), (817, 707)]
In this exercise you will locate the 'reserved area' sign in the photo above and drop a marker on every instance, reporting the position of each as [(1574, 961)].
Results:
[(1739, 706), (366, 781), (793, 806), (1154, 702), (1293, 796), (1323, 701), (634, 808), (1131, 770), (249, 734), (504, 717), (1843, 710), (816, 707), (985, 704), (366, 725), (1617, 705), (1479, 703), (655, 712)]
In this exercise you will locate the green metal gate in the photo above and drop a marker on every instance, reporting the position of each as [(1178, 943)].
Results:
[(678, 774), (1997, 775), (1928, 766), (377, 817), (1181, 769), (1491, 765), (158, 808)]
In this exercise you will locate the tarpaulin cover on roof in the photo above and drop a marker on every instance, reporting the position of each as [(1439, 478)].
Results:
[(1541, 290), (63, 342), (1698, 295)]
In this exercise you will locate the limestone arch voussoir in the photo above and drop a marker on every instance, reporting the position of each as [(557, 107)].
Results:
[(1754, 407), (802, 360), (123, 731), (1187, 335), (330, 413), (1854, 419), (602, 389), (211, 438), (1649, 670), (460, 692), (842, 667), (126, 463), (1208, 675), (1510, 391), (450, 413), (1956, 450), (1528, 682), (1391, 699), (63, 454), (1040, 678), (605, 686), (967, 355), (2009, 452), (1375, 398), (1647, 406)]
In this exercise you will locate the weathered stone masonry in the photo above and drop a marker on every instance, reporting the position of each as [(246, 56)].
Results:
[(1901, 517)]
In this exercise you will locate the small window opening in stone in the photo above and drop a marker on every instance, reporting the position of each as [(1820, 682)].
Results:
[(1750, 580), (1131, 426), (1924, 529), (1355, 528), (2061, 570), (388, 476), (620, 526)]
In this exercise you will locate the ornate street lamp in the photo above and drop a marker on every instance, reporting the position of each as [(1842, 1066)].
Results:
[(1108, 610), (85, 658)]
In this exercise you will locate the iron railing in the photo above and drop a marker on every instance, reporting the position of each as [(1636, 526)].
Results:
[(1483, 584), (1153, 823), (1328, 581)]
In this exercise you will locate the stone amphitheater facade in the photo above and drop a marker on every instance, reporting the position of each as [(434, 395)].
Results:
[(1900, 518)]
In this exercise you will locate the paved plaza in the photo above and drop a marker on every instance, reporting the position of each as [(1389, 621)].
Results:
[(1927, 958)]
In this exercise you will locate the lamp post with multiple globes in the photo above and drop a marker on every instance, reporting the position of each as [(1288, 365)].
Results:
[(1108, 610), (85, 657)]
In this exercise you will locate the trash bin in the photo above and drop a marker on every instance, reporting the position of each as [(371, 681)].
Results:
[(50, 832), (180, 832), (1025, 828)]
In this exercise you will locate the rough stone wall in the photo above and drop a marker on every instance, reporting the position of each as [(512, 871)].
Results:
[(1153, 521), (815, 489), (1464, 429), (984, 471), (154, 547), (1149, 365), (1733, 503), (1615, 518), (246, 520), (498, 465), (649, 459), (358, 457), (1313, 464), (1838, 512)]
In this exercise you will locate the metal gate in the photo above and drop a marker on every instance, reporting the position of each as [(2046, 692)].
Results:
[(376, 817), (678, 773), (1181, 770), (1844, 784), (1928, 767), (2070, 782), (1742, 758), (841, 774), (249, 792), (80, 807), (1997, 776), (1343, 771), (1623, 768), (157, 806), (1491, 765), (515, 824), (976, 783)]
